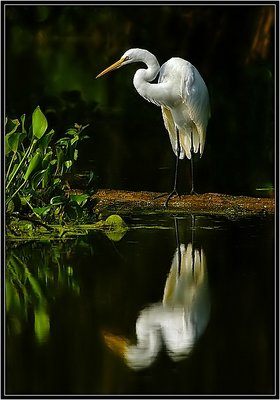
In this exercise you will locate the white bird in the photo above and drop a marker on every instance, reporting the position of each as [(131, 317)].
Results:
[(183, 97)]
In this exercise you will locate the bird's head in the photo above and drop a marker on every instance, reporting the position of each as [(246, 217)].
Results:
[(130, 56)]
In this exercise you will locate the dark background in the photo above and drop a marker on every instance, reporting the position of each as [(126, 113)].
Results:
[(53, 54)]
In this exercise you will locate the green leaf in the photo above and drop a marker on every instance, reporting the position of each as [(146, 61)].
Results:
[(48, 177), (79, 198), (47, 159), (74, 139), (37, 178), (7, 144), (39, 123), (72, 132), (33, 165), (13, 140), (56, 200), (56, 181), (12, 125), (42, 211), (43, 143), (68, 164), (63, 142), (25, 199), (116, 227)]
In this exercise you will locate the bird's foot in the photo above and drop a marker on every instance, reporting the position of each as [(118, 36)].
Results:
[(173, 193), (193, 192), (160, 195)]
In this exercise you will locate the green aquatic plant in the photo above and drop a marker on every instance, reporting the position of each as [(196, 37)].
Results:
[(114, 227), (37, 171)]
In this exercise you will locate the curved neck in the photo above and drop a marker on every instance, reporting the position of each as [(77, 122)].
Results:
[(142, 76), (152, 70)]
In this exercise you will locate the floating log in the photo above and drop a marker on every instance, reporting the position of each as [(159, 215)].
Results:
[(121, 201)]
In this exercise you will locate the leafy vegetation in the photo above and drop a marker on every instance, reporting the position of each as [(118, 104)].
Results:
[(37, 169)]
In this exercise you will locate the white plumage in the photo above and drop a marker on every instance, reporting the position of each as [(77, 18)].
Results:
[(190, 110), (180, 92)]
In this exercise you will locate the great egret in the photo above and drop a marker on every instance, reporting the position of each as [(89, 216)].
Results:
[(183, 97)]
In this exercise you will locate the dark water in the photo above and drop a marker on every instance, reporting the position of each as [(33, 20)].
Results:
[(135, 316)]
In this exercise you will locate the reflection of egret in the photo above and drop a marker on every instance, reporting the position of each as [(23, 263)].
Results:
[(178, 321), (183, 97)]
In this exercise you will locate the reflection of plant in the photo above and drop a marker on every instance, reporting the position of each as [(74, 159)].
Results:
[(28, 290), (37, 170)]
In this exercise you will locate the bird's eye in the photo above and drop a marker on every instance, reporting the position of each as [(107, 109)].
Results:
[(126, 58)]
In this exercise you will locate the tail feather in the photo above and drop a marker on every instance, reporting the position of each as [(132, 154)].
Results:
[(186, 141), (171, 128)]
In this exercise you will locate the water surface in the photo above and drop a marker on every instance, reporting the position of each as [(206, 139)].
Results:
[(161, 311)]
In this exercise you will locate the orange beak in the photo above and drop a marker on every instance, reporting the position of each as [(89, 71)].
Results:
[(112, 67)]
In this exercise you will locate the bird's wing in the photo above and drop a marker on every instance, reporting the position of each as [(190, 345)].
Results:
[(196, 98), (171, 128)]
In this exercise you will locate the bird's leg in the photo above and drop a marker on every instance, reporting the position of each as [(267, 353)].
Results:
[(174, 191), (192, 174), (192, 166)]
